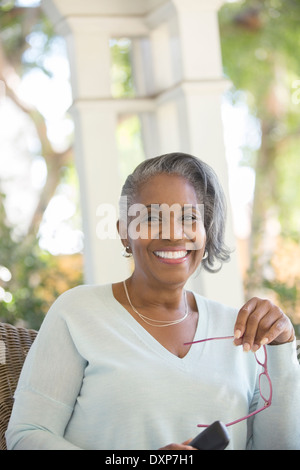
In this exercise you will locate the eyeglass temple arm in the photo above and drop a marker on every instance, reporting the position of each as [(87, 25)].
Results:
[(207, 339)]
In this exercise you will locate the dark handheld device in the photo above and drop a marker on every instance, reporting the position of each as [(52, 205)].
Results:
[(215, 437)]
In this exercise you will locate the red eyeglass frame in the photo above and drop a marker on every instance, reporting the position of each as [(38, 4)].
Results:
[(265, 372)]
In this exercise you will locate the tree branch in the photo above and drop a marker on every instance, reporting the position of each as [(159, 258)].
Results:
[(54, 160)]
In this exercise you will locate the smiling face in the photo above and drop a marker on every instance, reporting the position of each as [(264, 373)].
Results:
[(167, 235)]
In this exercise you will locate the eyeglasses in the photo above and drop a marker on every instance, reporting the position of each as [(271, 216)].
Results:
[(267, 401)]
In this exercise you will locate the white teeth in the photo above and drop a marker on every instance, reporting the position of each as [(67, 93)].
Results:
[(171, 254)]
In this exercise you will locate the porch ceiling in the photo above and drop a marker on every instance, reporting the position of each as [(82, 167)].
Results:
[(66, 8)]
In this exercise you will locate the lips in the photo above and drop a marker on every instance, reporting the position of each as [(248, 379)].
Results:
[(172, 256)]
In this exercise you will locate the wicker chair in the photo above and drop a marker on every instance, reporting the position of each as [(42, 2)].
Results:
[(14, 346)]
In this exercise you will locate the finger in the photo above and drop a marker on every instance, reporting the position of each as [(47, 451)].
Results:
[(187, 441), (261, 322), (174, 446), (187, 445), (250, 321), (275, 327), (255, 328), (281, 331), (242, 318), (263, 329)]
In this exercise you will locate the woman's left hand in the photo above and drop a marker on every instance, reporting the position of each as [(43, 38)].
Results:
[(261, 322)]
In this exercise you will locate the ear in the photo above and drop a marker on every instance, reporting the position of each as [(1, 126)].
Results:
[(122, 231)]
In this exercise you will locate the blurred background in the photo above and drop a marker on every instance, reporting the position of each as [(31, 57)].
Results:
[(41, 236)]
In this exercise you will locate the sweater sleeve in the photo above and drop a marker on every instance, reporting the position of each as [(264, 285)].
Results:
[(278, 427), (48, 387)]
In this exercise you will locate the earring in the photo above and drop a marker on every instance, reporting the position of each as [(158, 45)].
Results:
[(125, 252)]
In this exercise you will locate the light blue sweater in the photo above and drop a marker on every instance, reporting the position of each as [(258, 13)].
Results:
[(96, 379)]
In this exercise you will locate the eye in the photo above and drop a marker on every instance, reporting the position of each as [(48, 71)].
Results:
[(189, 217), (153, 218)]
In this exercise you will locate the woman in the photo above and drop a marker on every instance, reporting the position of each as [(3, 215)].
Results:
[(110, 368)]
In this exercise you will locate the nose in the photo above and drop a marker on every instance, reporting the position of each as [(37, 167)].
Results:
[(172, 229)]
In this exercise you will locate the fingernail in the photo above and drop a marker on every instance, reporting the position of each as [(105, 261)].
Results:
[(237, 334), (246, 347), (255, 347), (264, 341)]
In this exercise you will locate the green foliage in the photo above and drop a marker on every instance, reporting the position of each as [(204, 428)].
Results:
[(287, 165), (255, 37), (20, 30), (17, 300), (33, 278), (121, 73), (260, 41), (287, 295)]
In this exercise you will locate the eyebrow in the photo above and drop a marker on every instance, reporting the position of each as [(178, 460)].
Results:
[(188, 206)]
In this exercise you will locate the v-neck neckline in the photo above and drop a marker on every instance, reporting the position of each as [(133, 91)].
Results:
[(154, 344)]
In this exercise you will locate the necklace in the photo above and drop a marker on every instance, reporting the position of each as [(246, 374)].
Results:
[(158, 323)]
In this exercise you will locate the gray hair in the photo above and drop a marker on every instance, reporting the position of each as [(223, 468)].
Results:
[(209, 192)]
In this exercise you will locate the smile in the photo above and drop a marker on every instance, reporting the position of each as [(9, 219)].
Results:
[(170, 255)]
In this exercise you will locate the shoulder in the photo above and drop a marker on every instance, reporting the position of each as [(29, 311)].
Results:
[(77, 316), (82, 300), (84, 292)]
